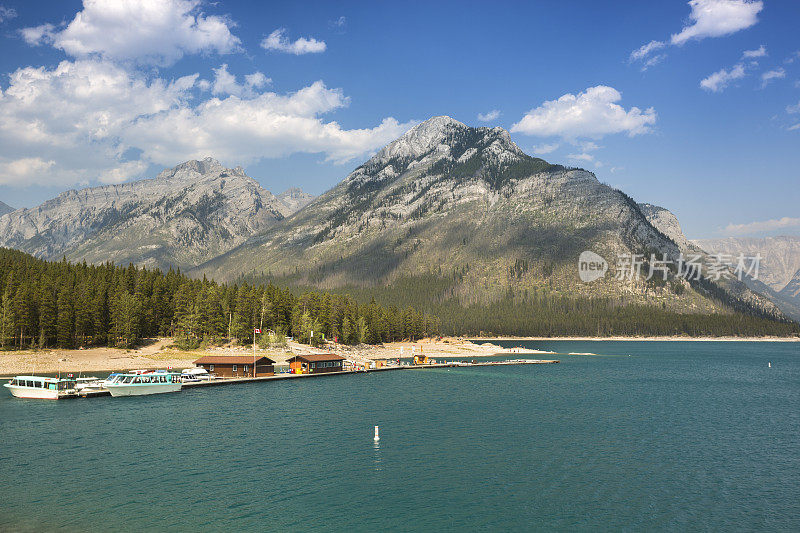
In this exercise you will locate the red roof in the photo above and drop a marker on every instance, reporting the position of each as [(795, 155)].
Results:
[(233, 360), (316, 358)]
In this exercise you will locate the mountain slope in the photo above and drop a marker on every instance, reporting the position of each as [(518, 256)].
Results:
[(779, 268), (792, 289), (295, 199), (780, 255), (452, 201), (184, 216), (666, 222), (5, 208)]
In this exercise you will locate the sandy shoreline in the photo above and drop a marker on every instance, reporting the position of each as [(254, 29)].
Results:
[(158, 353)]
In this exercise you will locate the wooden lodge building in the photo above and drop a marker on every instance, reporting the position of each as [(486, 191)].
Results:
[(315, 364), (237, 366)]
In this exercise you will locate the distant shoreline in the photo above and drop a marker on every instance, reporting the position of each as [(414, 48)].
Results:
[(648, 339), (159, 355)]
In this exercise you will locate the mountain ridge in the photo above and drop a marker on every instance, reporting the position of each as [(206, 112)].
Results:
[(446, 198), (181, 217), (444, 201)]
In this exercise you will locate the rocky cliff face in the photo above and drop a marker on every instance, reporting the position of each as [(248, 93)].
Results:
[(779, 270), (5, 208), (780, 255), (295, 199), (186, 215), (448, 199), (792, 289), (666, 222)]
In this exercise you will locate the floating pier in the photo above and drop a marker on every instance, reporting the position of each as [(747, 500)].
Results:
[(286, 375)]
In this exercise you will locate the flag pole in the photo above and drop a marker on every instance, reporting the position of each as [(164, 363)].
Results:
[(254, 352)]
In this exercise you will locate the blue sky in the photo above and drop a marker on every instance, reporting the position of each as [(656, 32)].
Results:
[(101, 92)]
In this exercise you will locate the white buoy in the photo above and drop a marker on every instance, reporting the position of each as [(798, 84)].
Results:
[(377, 437), (769, 364)]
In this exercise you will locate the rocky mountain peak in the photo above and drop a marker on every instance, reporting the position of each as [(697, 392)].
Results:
[(187, 214), (421, 139), (665, 222), (447, 147), (203, 167), (295, 198), (5, 208)]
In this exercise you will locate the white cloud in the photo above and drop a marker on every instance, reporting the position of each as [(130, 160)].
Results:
[(715, 18), (123, 172), (590, 114), (82, 120), (225, 83), (793, 128), (793, 108), (647, 49), (7, 13), (581, 157), (719, 80), (770, 75), (145, 31), (278, 41), (257, 80), (708, 18), (761, 51), (29, 169), (542, 149), (653, 61), (494, 114), (761, 226), (266, 125), (341, 22)]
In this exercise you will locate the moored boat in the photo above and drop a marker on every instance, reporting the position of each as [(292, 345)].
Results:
[(42, 387), (194, 375), (140, 384), (88, 383)]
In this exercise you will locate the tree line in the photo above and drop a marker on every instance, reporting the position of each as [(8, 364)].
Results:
[(67, 305), (553, 315)]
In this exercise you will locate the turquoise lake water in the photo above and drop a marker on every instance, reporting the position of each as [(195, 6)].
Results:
[(643, 436)]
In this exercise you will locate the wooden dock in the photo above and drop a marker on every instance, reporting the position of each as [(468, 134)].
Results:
[(286, 375)]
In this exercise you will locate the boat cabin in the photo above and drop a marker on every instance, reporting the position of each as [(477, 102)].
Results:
[(41, 387), (41, 382), (237, 366), (315, 364)]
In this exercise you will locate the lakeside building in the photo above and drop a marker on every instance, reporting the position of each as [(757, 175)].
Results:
[(237, 366), (315, 364), (422, 359)]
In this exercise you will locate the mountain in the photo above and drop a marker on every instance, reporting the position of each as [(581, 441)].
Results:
[(780, 255), (465, 204), (779, 269), (5, 208), (186, 215), (666, 222), (295, 199), (792, 289)]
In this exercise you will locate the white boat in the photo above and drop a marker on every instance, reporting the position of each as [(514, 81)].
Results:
[(42, 387), (88, 383), (136, 384), (194, 375)]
